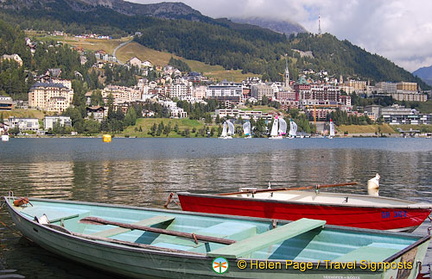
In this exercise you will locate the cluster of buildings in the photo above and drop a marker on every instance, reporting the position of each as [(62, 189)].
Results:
[(34, 125), (52, 94)]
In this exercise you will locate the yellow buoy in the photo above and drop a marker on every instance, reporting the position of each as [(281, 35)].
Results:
[(106, 138)]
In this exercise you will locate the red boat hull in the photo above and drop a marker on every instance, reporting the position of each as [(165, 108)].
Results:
[(397, 219)]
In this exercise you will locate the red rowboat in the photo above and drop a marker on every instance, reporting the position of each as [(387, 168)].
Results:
[(362, 211)]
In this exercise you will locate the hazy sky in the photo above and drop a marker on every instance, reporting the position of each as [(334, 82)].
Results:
[(399, 30)]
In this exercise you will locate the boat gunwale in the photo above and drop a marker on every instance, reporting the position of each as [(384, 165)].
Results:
[(95, 242), (268, 221), (319, 263), (409, 204), (420, 239)]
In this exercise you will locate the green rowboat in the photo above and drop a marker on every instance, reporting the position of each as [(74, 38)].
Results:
[(152, 243)]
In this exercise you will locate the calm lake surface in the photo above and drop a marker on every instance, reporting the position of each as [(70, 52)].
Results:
[(143, 172)]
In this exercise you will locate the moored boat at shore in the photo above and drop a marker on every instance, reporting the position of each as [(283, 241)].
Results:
[(342, 209), (138, 242)]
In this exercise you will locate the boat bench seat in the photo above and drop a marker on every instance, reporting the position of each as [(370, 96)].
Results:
[(227, 230), (146, 222), (53, 214), (376, 252), (259, 241)]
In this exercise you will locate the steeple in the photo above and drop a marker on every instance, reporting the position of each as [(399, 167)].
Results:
[(287, 74)]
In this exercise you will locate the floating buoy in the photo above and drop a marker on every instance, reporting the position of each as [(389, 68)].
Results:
[(106, 138), (373, 185)]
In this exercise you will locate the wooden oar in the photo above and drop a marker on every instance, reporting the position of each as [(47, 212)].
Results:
[(117, 241), (99, 221), (287, 189)]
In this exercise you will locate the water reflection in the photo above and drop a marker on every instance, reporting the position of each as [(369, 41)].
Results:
[(146, 182), (143, 172)]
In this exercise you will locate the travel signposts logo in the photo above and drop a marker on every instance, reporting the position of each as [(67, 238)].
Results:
[(220, 265)]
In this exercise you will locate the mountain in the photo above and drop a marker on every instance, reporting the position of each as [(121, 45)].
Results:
[(160, 10), (280, 26), (425, 73), (185, 32)]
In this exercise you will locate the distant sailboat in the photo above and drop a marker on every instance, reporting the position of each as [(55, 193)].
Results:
[(293, 129), (247, 130), (282, 127), (332, 129), (224, 134), (230, 128), (275, 132), (227, 130)]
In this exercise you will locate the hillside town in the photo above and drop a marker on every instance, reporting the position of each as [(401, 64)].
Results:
[(314, 94)]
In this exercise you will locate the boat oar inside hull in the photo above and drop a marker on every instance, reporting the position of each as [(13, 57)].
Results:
[(196, 237)]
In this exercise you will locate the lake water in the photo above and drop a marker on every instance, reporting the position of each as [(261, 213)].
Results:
[(143, 172)]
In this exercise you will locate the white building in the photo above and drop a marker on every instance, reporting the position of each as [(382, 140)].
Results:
[(24, 124), (175, 111), (225, 91), (50, 121), (237, 113), (179, 90)]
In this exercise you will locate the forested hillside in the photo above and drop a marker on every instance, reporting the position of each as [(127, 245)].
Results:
[(216, 42), (346, 59), (16, 79)]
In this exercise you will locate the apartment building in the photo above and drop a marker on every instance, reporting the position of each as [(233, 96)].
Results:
[(179, 90), (50, 121), (24, 124), (122, 94), (225, 91), (258, 91), (50, 96)]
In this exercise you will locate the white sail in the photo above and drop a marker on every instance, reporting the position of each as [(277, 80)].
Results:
[(293, 129), (230, 128), (275, 127), (332, 129), (224, 130), (247, 128), (282, 127)]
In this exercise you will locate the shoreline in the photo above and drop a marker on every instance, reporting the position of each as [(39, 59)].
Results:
[(360, 135)]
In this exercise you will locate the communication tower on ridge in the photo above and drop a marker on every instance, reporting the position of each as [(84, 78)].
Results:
[(287, 74), (319, 25)]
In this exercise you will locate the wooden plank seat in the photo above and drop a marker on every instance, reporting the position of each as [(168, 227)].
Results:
[(146, 222), (259, 241), (229, 230), (375, 252)]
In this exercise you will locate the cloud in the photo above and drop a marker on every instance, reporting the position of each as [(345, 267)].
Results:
[(398, 30)]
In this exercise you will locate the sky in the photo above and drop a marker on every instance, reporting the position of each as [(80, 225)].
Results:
[(398, 30)]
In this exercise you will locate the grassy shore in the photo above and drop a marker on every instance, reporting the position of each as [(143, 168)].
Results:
[(144, 125), (379, 130)]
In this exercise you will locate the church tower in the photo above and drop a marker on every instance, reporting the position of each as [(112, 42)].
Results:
[(287, 74)]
